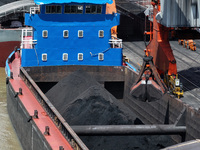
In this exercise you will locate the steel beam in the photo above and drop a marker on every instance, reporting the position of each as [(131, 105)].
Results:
[(108, 130)]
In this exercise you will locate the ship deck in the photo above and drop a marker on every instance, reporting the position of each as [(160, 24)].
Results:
[(31, 104)]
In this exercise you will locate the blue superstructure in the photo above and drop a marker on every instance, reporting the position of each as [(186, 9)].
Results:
[(40, 2), (71, 33)]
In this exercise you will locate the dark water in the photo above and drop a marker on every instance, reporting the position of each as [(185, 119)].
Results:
[(8, 138)]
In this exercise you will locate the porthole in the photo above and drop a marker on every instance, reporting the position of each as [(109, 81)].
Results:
[(45, 33), (65, 33), (65, 57), (101, 33), (101, 56), (80, 56), (80, 33), (44, 57)]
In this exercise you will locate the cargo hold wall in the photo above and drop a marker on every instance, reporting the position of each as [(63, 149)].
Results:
[(164, 111)]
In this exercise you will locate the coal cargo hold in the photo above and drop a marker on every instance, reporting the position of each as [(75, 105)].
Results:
[(81, 100)]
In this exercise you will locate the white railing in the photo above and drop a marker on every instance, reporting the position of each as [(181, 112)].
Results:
[(27, 41), (28, 44), (115, 43), (34, 10)]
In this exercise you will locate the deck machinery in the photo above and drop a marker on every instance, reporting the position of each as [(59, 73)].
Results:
[(159, 71)]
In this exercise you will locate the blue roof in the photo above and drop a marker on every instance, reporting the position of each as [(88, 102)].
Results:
[(40, 2)]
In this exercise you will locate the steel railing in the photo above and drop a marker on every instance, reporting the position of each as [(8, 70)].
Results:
[(115, 43)]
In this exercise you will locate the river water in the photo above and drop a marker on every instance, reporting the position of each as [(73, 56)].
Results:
[(8, 138)]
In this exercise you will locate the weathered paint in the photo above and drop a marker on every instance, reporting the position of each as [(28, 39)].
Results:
[(28, 104)]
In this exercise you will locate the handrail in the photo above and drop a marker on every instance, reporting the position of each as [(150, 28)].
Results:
[(34, 10), (27, 43), (55, 116), (116, 43), (7, 68)]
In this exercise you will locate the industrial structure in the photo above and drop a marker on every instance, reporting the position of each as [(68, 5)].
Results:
[(184, 17)]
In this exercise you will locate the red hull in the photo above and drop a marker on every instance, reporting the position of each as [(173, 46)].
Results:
[(5, 49)]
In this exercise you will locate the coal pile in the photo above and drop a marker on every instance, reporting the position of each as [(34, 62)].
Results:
[(81, 100)]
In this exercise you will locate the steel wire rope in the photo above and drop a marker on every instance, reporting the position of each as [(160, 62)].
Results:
[(36, 55)]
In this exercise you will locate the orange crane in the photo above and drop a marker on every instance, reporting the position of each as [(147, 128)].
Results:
[(159, 70)]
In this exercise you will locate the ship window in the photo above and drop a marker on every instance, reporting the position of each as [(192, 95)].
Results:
[(93, 9), (80, 56), (87, 9), (67, 9), (99, 9), (74, 9), (53, 9), (45, 33), (44, 57), (65, 57), (65, 33), (80, 33), (79, 9), (101, 56), (101, 33)]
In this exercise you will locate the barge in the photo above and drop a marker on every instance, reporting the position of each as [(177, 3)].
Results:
[(71, 55)]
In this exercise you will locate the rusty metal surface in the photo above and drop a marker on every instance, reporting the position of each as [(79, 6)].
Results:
[(55, 73)]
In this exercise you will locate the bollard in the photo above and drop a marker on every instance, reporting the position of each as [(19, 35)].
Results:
[(20, 91), (47, 130), (35, 116), (11, 75)]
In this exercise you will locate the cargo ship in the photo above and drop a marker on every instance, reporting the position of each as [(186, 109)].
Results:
[(64, 37), (69, 84)]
